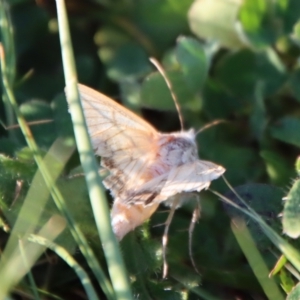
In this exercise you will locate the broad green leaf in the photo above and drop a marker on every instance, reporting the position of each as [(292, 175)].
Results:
[(193, 61), (127, 61), (36, 20), (110, 36), (291, 211), (156, 94), (241, 71), (7, 146), (142, 260), (240, 162), (287, 130), (187, 67), (86, 68), (218, 102), (278, 168), (159, 23), (258, 117), (216, 20), (289, 10), (256, 22), (130, 90), (296, 34), (264, 21)]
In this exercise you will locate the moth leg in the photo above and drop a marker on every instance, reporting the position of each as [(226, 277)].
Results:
[(194, 220), (165, 236)]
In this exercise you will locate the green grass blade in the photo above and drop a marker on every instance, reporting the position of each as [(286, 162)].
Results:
[(29, 274), (60, 251), (8, 42), (50, 183), (111, 249), (38, 193), (13, 267), (255, 259), (289, 251)]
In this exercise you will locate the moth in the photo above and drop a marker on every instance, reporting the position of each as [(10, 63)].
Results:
[(145, 167)]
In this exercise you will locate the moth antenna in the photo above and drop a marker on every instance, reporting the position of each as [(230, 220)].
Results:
[(213, 123), (161, 70), (194, 220), (165, 236)]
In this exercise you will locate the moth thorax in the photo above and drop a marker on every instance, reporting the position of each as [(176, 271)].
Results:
[(176, 149)]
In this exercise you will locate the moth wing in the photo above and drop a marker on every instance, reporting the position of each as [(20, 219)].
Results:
[(114, 129), (190, 177)]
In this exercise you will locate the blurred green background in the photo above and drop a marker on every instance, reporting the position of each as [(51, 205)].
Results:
[(232, 60)]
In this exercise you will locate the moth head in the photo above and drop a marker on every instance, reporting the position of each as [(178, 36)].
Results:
[(180, 147)]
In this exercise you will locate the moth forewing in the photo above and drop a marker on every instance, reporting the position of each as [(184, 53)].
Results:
[(98, 105), (146, 167), (113, 129), (192, 177), (189, 177)]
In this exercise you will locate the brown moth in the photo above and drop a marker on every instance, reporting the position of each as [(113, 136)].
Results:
[(146, 167)]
